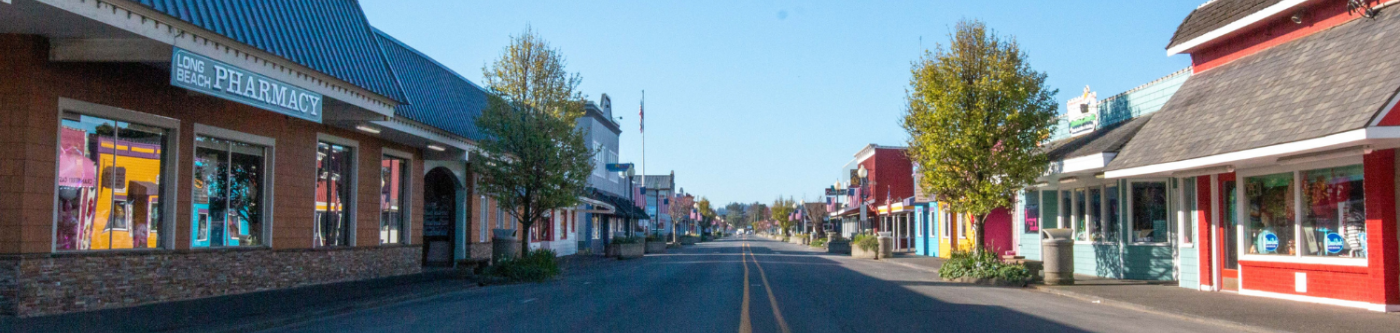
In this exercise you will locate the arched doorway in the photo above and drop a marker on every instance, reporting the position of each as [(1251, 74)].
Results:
[(439, 216)]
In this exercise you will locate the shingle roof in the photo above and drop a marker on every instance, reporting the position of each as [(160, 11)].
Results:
[(1214, 15), (329, 36), (436, 95), (1322, 84), (1109, 139)]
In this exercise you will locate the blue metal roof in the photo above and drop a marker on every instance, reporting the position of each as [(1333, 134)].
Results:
[(330, 36), (437, 96)]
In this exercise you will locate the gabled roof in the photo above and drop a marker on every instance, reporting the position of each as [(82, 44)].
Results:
[(1109, 139), (436, 95), (1322, 84), (329, 36), (1215, 14)]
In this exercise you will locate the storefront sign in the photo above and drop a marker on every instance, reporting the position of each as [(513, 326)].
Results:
[(1334, 242), (831, 191), (1083, 113), (1269, 241), (619, 167), (199, 73)]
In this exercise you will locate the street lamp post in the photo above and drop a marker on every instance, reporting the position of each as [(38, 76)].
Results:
[(863, 174)]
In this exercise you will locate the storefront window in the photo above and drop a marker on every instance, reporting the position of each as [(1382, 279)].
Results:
[(1095, 214), (1188, 209), (1110, 221), (393, 181), (334, 190), (228, 185), (1270, 209), (109, 177), (1032, 213), (1149, 212), (1334, 212), (1066, 212), (1081, 229)]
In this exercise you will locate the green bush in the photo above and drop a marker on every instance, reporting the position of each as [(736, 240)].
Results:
[(626, 240), (866, 242), (820, 242), (535, 266), (983, 265)]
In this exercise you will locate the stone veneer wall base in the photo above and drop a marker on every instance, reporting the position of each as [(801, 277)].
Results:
[(44, 284)]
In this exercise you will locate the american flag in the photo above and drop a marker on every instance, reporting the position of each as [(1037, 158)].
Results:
[(642, 115)]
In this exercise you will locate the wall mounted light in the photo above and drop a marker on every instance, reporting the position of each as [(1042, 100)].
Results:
[(437, 147), (1068, 180), (367, 129), (1325, 155)]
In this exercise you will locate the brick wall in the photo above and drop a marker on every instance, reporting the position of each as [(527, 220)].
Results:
[(33, 280), (58, 283)]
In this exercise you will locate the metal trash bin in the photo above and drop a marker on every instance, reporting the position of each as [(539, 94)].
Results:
[(886, 241), (1057, 253)]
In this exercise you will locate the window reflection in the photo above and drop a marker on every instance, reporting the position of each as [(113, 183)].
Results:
[(228, 185), (108, 184), (392, 180), (1271, 214), (333, 194), (1334, 212)]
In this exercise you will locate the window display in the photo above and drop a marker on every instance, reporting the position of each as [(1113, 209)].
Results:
[(113, 209), (1110, 221), (1094, 216), (1270, 208), (1334, 212), (1188, 209), (228, 193), (1149, 212), (333, 194), (1081, 229), (1032, 213)]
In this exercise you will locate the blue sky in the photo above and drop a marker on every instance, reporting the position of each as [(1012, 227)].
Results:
[(749, 100)]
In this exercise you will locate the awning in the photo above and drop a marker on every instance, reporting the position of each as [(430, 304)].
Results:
[(1322, 85), (620, 206), (599, 207), (1093, 151)]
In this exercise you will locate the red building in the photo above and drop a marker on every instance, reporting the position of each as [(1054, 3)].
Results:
[(1279, 152)]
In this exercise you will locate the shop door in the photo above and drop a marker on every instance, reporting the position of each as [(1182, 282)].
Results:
[(1227, 229), (439, 217)]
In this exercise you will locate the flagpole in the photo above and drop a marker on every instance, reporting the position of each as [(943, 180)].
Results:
[(642, 128)]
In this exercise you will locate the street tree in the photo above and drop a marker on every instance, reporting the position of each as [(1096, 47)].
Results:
[(680, 212), (781, 210), (707, 213), (975, 116), (531, 157)]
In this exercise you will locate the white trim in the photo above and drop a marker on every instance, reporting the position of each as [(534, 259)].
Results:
[(1216, 223), (160, 27), (1389, 106), (1310, 260), (1343, 138), (1086, 163), (1205, 287), (1321, 300), (1234, 26)]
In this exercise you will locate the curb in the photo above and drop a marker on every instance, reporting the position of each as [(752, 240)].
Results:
[(922, 268), (1148, 309)]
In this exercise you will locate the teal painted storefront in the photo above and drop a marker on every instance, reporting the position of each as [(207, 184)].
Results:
[(1110, 259), (926, 229)]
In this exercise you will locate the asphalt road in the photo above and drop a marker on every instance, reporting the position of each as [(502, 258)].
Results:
[(748, 284)]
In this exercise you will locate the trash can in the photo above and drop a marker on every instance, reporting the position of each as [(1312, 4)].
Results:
[(1057, 252), (886, 241), (504, 244)]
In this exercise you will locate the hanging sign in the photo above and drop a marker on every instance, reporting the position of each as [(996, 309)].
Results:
[(205, 75), (618, 167), (1334, 242), (1083, 113)]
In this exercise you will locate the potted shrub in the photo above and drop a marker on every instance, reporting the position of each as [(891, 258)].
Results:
[(865, 246), (629, 247), (655, 244)]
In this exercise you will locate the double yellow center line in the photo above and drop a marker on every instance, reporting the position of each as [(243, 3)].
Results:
[(745, 326)]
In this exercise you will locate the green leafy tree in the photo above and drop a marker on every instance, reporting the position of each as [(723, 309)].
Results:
[(781, 209), (532, 159), (707, 213), (976, 114)]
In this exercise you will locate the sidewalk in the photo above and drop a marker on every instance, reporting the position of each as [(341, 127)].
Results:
[(1243, 312), (248, 312)]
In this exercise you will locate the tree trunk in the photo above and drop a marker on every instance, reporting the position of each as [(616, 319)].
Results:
[(979, 226)]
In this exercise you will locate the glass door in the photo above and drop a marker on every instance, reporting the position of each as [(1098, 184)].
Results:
[(1228, 228)]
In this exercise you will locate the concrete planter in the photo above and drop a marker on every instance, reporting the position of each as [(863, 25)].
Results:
[(795, 240), (656, 247), (838, 247), (689, 240), (989, 282), (610, 250), (858, 253), (630, 251)]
